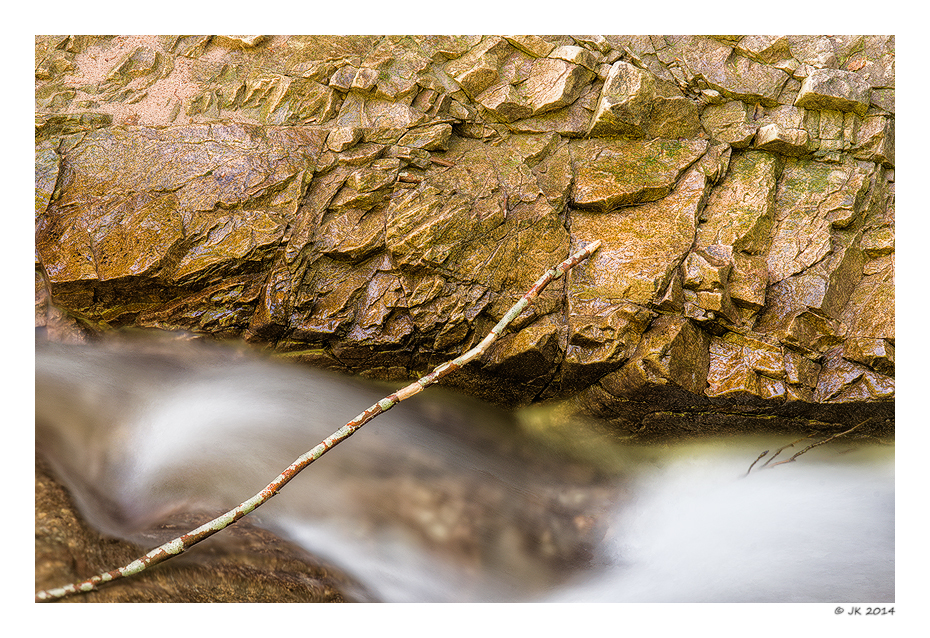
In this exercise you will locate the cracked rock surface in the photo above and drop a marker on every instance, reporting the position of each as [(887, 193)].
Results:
[(374, 204)]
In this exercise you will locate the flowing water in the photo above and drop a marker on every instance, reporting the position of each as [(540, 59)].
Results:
[(447, 499)]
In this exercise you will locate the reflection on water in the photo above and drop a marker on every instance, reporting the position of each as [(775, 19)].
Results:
[(445, 499)]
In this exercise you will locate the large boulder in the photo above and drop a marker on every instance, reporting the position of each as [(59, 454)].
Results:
[(375, 204)]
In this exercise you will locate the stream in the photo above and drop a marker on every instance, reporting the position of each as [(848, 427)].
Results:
[(446, 499)]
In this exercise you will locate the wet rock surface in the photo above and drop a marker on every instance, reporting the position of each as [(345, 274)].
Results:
[(375, 204)]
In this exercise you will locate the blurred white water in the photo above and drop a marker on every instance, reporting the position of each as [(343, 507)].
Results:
[(444, 499), (820, 529)]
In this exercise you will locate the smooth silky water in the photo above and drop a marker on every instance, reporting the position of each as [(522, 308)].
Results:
[(446, 499)]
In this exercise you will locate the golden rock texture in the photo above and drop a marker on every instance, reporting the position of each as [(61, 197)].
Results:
[(375, 203)]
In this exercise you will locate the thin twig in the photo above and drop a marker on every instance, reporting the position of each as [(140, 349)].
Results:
[(779, 450), (827, 440), (758, 458), (184, 542)]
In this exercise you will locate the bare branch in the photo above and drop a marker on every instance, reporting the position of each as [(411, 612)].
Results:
[(779, 450), (827, 440), (758, 458), (184, 542)]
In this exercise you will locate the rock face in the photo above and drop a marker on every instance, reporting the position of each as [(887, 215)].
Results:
[(375, 204)]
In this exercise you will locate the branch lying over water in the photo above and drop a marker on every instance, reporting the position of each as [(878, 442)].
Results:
[(184, 542)]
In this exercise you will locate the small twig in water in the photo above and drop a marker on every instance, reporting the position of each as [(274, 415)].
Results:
[(826, 440), (756, 461), (779, 450), (184, 542)]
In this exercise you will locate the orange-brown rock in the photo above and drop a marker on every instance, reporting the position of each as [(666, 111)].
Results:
[(375, 204)]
